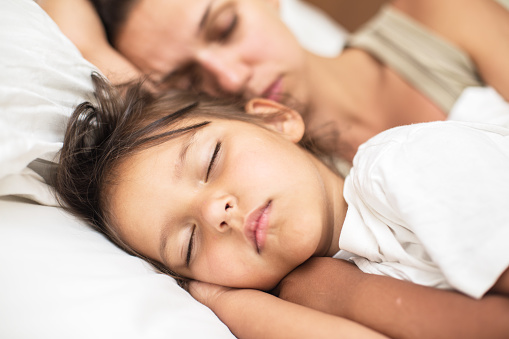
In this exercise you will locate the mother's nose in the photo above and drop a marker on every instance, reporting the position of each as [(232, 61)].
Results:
[(226, 69)]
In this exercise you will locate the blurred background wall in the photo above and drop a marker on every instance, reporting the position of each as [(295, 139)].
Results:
[(349, 13)]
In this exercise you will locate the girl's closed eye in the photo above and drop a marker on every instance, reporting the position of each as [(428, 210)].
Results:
[(190, 246), (213, 160)]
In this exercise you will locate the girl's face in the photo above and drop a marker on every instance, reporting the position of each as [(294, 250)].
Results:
[(231, 203), (236, 47)]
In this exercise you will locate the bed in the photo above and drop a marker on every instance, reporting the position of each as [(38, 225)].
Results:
[(60, 279)]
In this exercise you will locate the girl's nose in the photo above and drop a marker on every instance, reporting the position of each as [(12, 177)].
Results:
[(216, 212), (226, 70)]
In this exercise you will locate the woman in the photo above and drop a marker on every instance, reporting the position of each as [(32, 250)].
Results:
[(240, 47)]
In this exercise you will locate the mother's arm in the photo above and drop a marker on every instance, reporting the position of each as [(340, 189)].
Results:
[(480, 27), (79, 21), (396, 308)]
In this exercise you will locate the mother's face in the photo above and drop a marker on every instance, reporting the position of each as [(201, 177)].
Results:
[(236, 47)]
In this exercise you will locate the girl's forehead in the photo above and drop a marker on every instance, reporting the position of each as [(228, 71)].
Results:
[(176, 139)]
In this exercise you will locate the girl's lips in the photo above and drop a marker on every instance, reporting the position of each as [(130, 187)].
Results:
[(256, 226), (274, 91)]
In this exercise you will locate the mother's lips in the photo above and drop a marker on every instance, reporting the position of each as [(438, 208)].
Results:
[(274, 91), (256, 226)]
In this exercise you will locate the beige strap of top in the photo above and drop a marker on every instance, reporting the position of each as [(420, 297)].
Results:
[(434, 66)]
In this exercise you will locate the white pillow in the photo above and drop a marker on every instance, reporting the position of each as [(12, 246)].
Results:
[(42, 77), (62, 280), (59, 279), (314, 29), (473, 100)]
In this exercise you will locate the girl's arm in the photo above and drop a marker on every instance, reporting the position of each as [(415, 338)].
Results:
[(502, 284), (396, 308), (480, 27), (79, 21), (256, 314)]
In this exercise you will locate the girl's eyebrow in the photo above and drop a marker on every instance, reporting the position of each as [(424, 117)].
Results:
[(163, 242), (163, 245), (179, 165), (181, 160)]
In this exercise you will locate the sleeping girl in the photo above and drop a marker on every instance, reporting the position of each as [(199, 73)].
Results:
[(232, 198)]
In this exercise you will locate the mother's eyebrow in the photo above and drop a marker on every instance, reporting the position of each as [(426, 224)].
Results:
[(205, 16)]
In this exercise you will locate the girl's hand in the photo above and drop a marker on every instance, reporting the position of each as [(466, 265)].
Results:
[(207, 294)]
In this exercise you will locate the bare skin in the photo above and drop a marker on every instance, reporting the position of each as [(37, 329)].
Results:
[(71, 17)]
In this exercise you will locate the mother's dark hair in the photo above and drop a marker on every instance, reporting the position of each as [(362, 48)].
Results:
[(113, 14)]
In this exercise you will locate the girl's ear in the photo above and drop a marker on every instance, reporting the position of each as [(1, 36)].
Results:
[(278, 117)]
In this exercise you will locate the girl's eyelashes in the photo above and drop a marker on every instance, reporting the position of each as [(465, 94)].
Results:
[(210, 167), (190, 246), (213, 160)]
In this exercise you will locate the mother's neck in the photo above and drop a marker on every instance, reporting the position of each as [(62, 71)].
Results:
[(344, 95)]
